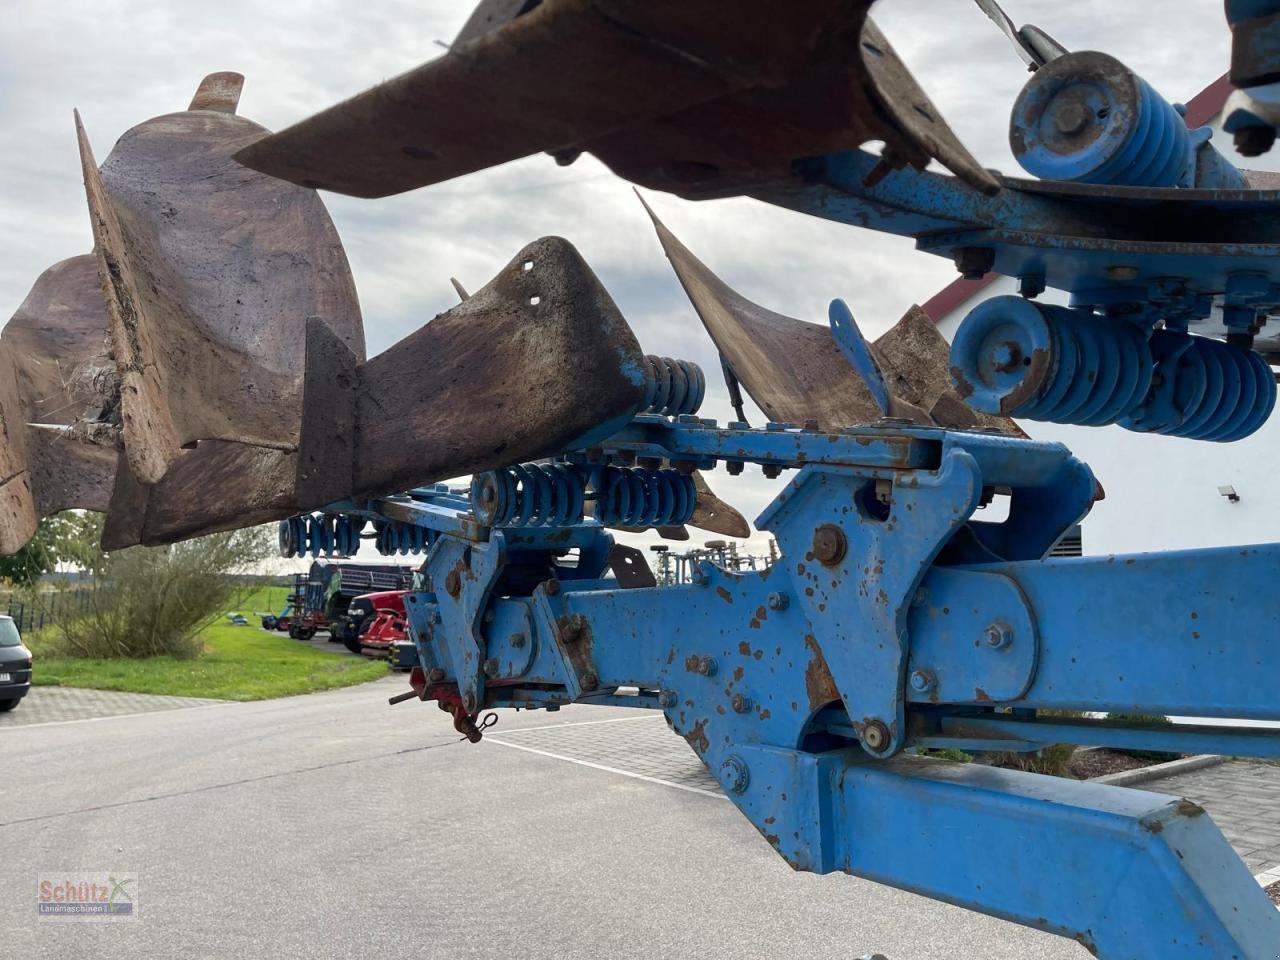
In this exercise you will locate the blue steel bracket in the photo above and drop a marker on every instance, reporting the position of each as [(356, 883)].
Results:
[(1090, 240), (463, 576), (856, 545), (1126, 873)]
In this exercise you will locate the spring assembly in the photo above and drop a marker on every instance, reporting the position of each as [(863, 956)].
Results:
[(1040, 362), (672, 387), (346, 535), (1204, 390), (530, 494), (393, 537), (318, 536), (1086, 117), (633, 497)]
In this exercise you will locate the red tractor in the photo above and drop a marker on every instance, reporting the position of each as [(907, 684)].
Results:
[(373, 623)]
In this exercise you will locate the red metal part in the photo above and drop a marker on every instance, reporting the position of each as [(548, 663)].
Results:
[(384, 629), (449, 700)]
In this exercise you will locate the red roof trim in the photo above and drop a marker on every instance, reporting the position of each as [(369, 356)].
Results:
[(955, 293), (1201, 109), (1208, 103)]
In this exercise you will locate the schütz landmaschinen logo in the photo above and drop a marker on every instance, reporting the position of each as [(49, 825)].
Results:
[(103, 895)]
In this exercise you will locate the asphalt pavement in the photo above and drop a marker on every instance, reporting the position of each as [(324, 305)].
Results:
[(333, 825)]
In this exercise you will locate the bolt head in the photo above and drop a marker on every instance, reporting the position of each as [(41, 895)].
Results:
[(740, 703), (435, 675), (667, 699), (491, 667), (998, 635), (829, 544), (735, 774), (707, 666), (589, 681), (551, 588), (922, 681), (571, 628), (778, 601), (875, 736)]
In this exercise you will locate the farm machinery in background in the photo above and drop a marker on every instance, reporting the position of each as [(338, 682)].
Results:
[(679, 567), (895, 617), (321, 598)]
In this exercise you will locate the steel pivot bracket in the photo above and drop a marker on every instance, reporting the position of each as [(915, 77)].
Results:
[(857, 543)]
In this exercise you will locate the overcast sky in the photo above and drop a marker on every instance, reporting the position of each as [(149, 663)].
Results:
[(121, 62)]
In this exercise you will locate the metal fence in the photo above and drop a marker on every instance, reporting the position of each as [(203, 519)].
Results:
[(46, 610)]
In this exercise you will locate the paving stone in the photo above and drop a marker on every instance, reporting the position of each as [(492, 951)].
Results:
[(643, 747), (53, 704), (1244, 800)]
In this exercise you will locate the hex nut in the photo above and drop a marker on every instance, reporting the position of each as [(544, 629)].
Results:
[(922, 681), (998, 635)]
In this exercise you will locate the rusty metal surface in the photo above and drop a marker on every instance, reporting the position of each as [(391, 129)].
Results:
[(58, 394), (915, 360), (17, 503), (205, 368), (489, 15), (714, 514), (794, 370), (497, 379), (525, 367), (208, 270), (218, 91), (217, 486), (689, 98)]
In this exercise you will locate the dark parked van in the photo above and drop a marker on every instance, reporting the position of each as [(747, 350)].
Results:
[(15, 665)]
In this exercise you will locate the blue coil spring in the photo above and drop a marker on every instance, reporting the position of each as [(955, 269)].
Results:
[(1205, 390), (530, 494), (1086, 117), (317, 536), (392, 537), (633, 497), (1040, 362), (672, 387)]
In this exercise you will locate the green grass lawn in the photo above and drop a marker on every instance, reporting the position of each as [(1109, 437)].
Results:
[(238, 663)]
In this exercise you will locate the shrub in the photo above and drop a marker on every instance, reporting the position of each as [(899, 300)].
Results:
[(156, 601)]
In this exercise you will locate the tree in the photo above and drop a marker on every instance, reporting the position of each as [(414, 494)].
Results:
[(153, 601), (68, 537)]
